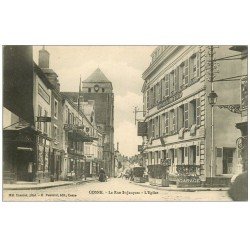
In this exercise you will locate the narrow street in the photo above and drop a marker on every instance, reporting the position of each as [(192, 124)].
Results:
[(113, 190)]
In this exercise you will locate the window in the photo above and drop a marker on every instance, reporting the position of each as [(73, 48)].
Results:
[(151, 98), (186, 71), (171, 81), (186, 115), (171, 155), (176, 79), (181, 75), (163, 120), (156, 127), (167, 85), (181, 156), (181, 117), (147, 100), (194, 67), (156, 157), (192, 156), (192, 112), (55, 132), (89, 90), (55, 109), (154, 95), (66, 115), (172, 120), (150, 129), (45, 124), (198, 111), (166, 123), (163, 88), (39, 114), (103, 90), (164, 154), (153, 128)]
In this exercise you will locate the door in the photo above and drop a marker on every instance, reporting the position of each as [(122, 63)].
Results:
[(227, 160)]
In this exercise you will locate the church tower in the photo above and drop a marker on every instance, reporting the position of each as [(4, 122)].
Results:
[(97, 87)]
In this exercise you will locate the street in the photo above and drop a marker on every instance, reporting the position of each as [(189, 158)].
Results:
[(113, 190)]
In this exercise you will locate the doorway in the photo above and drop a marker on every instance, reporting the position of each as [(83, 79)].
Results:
[(227, 160)]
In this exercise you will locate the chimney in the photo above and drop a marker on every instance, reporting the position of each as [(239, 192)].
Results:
[(43, 61)]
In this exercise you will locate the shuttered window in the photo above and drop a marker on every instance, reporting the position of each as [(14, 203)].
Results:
[(198, 111), (176, 79), (175, 120), (154, 95), (198, 64), (186, 71), (163, 132), (167, 85), (153, 128), (166, 123), (186, 115), (147, 100), (171, 82), (163, 90)]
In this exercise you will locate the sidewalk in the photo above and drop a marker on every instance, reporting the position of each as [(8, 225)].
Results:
[(187, 189), (36, 185)]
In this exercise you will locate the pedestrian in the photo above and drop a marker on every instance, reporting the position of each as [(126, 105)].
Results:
[(102, 175)]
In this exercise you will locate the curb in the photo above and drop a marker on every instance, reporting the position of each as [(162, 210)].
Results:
[(46, 187), (183, 189)]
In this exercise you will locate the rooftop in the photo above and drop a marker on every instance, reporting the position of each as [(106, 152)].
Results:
[(97, 77)]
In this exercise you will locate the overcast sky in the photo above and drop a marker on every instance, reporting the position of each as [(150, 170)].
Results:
[(122, 65)]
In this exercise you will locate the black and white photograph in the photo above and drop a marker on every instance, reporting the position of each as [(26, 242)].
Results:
[(125, 123)]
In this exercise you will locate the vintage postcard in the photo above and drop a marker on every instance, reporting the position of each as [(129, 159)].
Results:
[(125, 123)]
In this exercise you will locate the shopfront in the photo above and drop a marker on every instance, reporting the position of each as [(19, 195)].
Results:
[(19, 154)]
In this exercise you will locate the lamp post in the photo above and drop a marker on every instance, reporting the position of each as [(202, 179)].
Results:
[(212, 99)]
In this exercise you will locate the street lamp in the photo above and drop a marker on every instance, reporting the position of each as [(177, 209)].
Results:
[(212, 99)]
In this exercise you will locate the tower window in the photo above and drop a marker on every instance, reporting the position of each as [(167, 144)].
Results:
[(89, 90)]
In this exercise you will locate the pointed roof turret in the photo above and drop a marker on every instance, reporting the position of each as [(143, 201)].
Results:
[(97, 77)]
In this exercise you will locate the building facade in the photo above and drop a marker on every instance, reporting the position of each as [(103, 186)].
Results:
[(99, 89), (178, 115), (27, 147), (56, 125)]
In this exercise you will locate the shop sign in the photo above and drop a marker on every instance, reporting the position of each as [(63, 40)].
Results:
[(43, 119), (169, 100), (142, 129)]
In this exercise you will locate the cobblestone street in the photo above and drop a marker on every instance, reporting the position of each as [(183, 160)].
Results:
[(113, 190)]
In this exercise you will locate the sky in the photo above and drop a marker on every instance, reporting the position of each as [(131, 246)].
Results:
[(122, 65)]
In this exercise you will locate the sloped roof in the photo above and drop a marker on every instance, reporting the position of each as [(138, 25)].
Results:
[(97, 77)]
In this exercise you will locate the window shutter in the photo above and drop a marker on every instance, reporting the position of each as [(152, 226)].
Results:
[(198, 111), (198, 64), (163, 132), (176, 119), (167, 123), (186, 71), (176, 79), (159, 127), (186, 115), (167, 85), (163, 88)]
